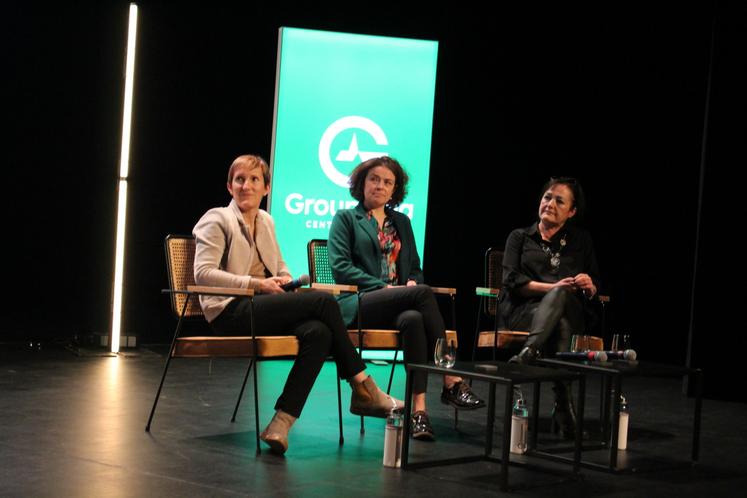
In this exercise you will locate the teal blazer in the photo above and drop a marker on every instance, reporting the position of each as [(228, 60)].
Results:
[(355, 254)]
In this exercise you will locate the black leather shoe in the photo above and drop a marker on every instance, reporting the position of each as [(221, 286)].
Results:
[(420, 427), (460, 396), (525, 356)]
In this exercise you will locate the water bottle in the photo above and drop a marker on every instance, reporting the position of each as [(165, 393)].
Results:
[(622, 428), (519, 426), (393, 439)]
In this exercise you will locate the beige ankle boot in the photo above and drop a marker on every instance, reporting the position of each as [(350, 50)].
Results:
[(276, 432), (370, 401)]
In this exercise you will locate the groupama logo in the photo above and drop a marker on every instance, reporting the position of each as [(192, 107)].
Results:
[(352, 153)]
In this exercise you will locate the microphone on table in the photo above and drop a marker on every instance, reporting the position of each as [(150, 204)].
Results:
[(588, 355), (628, 354), (296, 283)]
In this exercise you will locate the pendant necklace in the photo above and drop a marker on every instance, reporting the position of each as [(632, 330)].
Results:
[(554, 257)]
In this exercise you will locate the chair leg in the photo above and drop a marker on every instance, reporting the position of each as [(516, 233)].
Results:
[(158, 393), (339, 409), (256, 374), (477, 328), (391, 374), (168, 361), (241, 392), (256, 409), (360, 344), (495, 332)]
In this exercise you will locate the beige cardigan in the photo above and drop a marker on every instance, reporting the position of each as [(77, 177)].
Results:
[(223, 253)]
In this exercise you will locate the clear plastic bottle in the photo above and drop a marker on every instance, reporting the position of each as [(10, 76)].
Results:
[(393, 439), (622, 428), (519, 426)]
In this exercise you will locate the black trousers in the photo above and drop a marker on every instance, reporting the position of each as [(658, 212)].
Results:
[(551, 321), (414, 312), (314, 318)]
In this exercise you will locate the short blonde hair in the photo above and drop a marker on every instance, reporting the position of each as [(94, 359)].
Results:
[(252, 162)]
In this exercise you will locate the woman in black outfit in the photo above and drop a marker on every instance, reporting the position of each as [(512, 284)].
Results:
[(550, 270)]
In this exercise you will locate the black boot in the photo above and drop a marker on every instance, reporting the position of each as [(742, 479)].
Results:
[(526, 355), (564, 412)]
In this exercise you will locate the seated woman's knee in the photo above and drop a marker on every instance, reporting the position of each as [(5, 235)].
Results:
[(423, 289), (410, 318), (559, 294), (316, 331)]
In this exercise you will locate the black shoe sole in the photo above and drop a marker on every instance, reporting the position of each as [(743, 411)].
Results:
[(461, 407), (424, 436)]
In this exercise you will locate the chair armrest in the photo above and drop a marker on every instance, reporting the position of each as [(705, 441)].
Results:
[(450, 291), (334, 289), (487, 291), (218, 291)]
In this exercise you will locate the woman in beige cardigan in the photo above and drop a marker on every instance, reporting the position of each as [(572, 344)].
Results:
[(236, 247)]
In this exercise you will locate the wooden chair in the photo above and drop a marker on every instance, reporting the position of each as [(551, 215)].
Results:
[(180, 251), (488, 307), (320, 273)]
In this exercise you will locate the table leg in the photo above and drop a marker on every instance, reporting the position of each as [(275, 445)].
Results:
[(579, 424), (535, 416), (604, 407), (406, 420), (491, 420), (615, 422), (696, 421), (506, 444)]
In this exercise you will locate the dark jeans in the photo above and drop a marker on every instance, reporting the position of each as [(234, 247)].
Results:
[(557, 316), (414, 312), (314, 318)]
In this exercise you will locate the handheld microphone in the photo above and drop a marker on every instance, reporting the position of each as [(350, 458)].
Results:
[(296, 283), (628, 354), (588, 355)]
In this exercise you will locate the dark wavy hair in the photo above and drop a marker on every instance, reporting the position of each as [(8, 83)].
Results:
[(579, 199), (358, 179)]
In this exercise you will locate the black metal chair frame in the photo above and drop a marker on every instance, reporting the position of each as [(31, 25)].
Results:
[(489, 300), (488, 297), (314, 274), (193, 291)]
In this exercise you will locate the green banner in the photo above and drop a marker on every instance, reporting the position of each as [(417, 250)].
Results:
[(341, 99)]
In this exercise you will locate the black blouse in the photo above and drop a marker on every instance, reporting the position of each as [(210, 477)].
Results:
[(525, 259)]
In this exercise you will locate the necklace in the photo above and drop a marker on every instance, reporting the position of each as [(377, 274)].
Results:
[(554, 257)]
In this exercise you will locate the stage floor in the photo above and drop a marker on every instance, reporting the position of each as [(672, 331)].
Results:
[(73, 425)]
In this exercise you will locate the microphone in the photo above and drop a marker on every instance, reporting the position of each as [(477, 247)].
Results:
[(588, 355), (296, 283), (628, 354)]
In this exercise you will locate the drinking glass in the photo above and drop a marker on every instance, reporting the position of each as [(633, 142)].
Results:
[(616, 340), (445, 353), (620, 342), (579, 343)]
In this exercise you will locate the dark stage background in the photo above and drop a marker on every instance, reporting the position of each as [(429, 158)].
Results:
[(615, 96)]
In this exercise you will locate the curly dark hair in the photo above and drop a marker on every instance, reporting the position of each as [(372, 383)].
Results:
[(579, 199), (358, 179)]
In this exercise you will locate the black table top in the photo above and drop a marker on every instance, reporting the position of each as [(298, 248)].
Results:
[(620, 367), (498, 371)]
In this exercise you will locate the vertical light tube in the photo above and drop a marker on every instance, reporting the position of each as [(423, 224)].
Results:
[(124, 166)]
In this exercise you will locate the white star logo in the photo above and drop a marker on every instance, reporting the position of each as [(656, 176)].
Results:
[(352, 151), (350, 154)]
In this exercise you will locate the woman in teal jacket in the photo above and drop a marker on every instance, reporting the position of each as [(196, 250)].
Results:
[(372, 246)]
